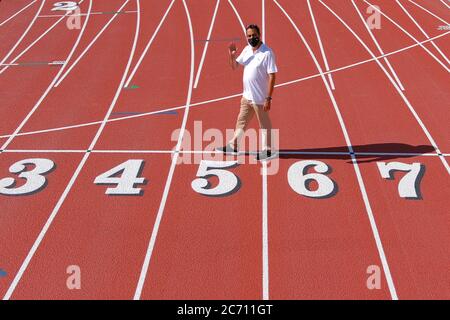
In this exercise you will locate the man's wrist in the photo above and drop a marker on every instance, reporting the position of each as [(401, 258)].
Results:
[(269, 98)]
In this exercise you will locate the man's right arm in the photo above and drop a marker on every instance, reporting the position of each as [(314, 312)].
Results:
[(232, 56)]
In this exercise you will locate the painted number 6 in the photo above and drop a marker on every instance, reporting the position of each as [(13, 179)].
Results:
[(300, 180)]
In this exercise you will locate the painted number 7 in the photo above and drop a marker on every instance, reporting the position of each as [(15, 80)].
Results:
[(409, 185)]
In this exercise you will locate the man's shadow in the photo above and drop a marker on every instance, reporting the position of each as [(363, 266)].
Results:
[(364, 153)]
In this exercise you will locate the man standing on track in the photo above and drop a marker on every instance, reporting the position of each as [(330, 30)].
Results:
[(259, 81)]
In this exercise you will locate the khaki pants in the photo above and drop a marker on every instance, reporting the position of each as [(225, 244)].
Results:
[(248, 109)]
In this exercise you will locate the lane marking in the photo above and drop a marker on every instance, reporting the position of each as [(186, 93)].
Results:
[(18, 12), (55, 211), (263, 19), (409, 35), (374, 39), (144, 53), (431, 13), (61, 78), (238, 17), (445, 3), (205, 49), (423, 31), (31, 45), (227, 97), (49, 88), (33, 63), (365, 197), (400, 92), (24, 34), (322, 50), (168, 184)]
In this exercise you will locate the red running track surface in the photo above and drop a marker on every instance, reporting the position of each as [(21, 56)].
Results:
[(140, 80)]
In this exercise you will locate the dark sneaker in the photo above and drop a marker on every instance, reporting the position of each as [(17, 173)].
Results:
[(228, 149), (266, 155)]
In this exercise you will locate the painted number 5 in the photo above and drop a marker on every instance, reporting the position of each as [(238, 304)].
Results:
[(65, 6), (35, 179), (228, 181)]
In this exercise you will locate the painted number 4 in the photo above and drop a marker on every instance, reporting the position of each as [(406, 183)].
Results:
[(125, 176)]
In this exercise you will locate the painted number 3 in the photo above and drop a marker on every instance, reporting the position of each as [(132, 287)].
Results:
[(34, 179)]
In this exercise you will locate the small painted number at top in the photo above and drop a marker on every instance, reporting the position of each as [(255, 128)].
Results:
[(65, 6)]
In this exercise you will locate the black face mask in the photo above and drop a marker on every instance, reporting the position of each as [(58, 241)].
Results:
[(253, 41)]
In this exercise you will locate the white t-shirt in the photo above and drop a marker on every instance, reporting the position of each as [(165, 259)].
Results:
[(257, 66)]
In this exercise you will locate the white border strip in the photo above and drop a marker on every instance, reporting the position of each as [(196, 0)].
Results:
[(238, 17), (265, 233)]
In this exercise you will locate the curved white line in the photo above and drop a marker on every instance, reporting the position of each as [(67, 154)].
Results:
[(238, 16), (17, 13), (24, 34), (400, 92), (422, 30), (49, 88), (55, 211), (11, 63), (409, 35), (162, 205), (362, 187), (431, 13), (87, 124), (147, 47)]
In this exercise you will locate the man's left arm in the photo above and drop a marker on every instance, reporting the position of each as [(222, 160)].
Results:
[(268, 102)]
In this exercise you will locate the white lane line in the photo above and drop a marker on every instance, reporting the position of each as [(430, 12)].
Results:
[(49, 88), (322, 50), (144, 53), (24, 33), (423, 31), (238, 17), (205, 49), (223, 98), (400, 92), (378, 46), (84, 14), (265, 233), (445, 3), (31, 45), (61, 78), (365, 197), (306, 153), (409, 35), (431, 13), (55, 211), (263, 19), (18, 12), (162, 204)]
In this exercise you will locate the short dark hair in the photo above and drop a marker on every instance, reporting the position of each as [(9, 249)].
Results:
[(254, 27)]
